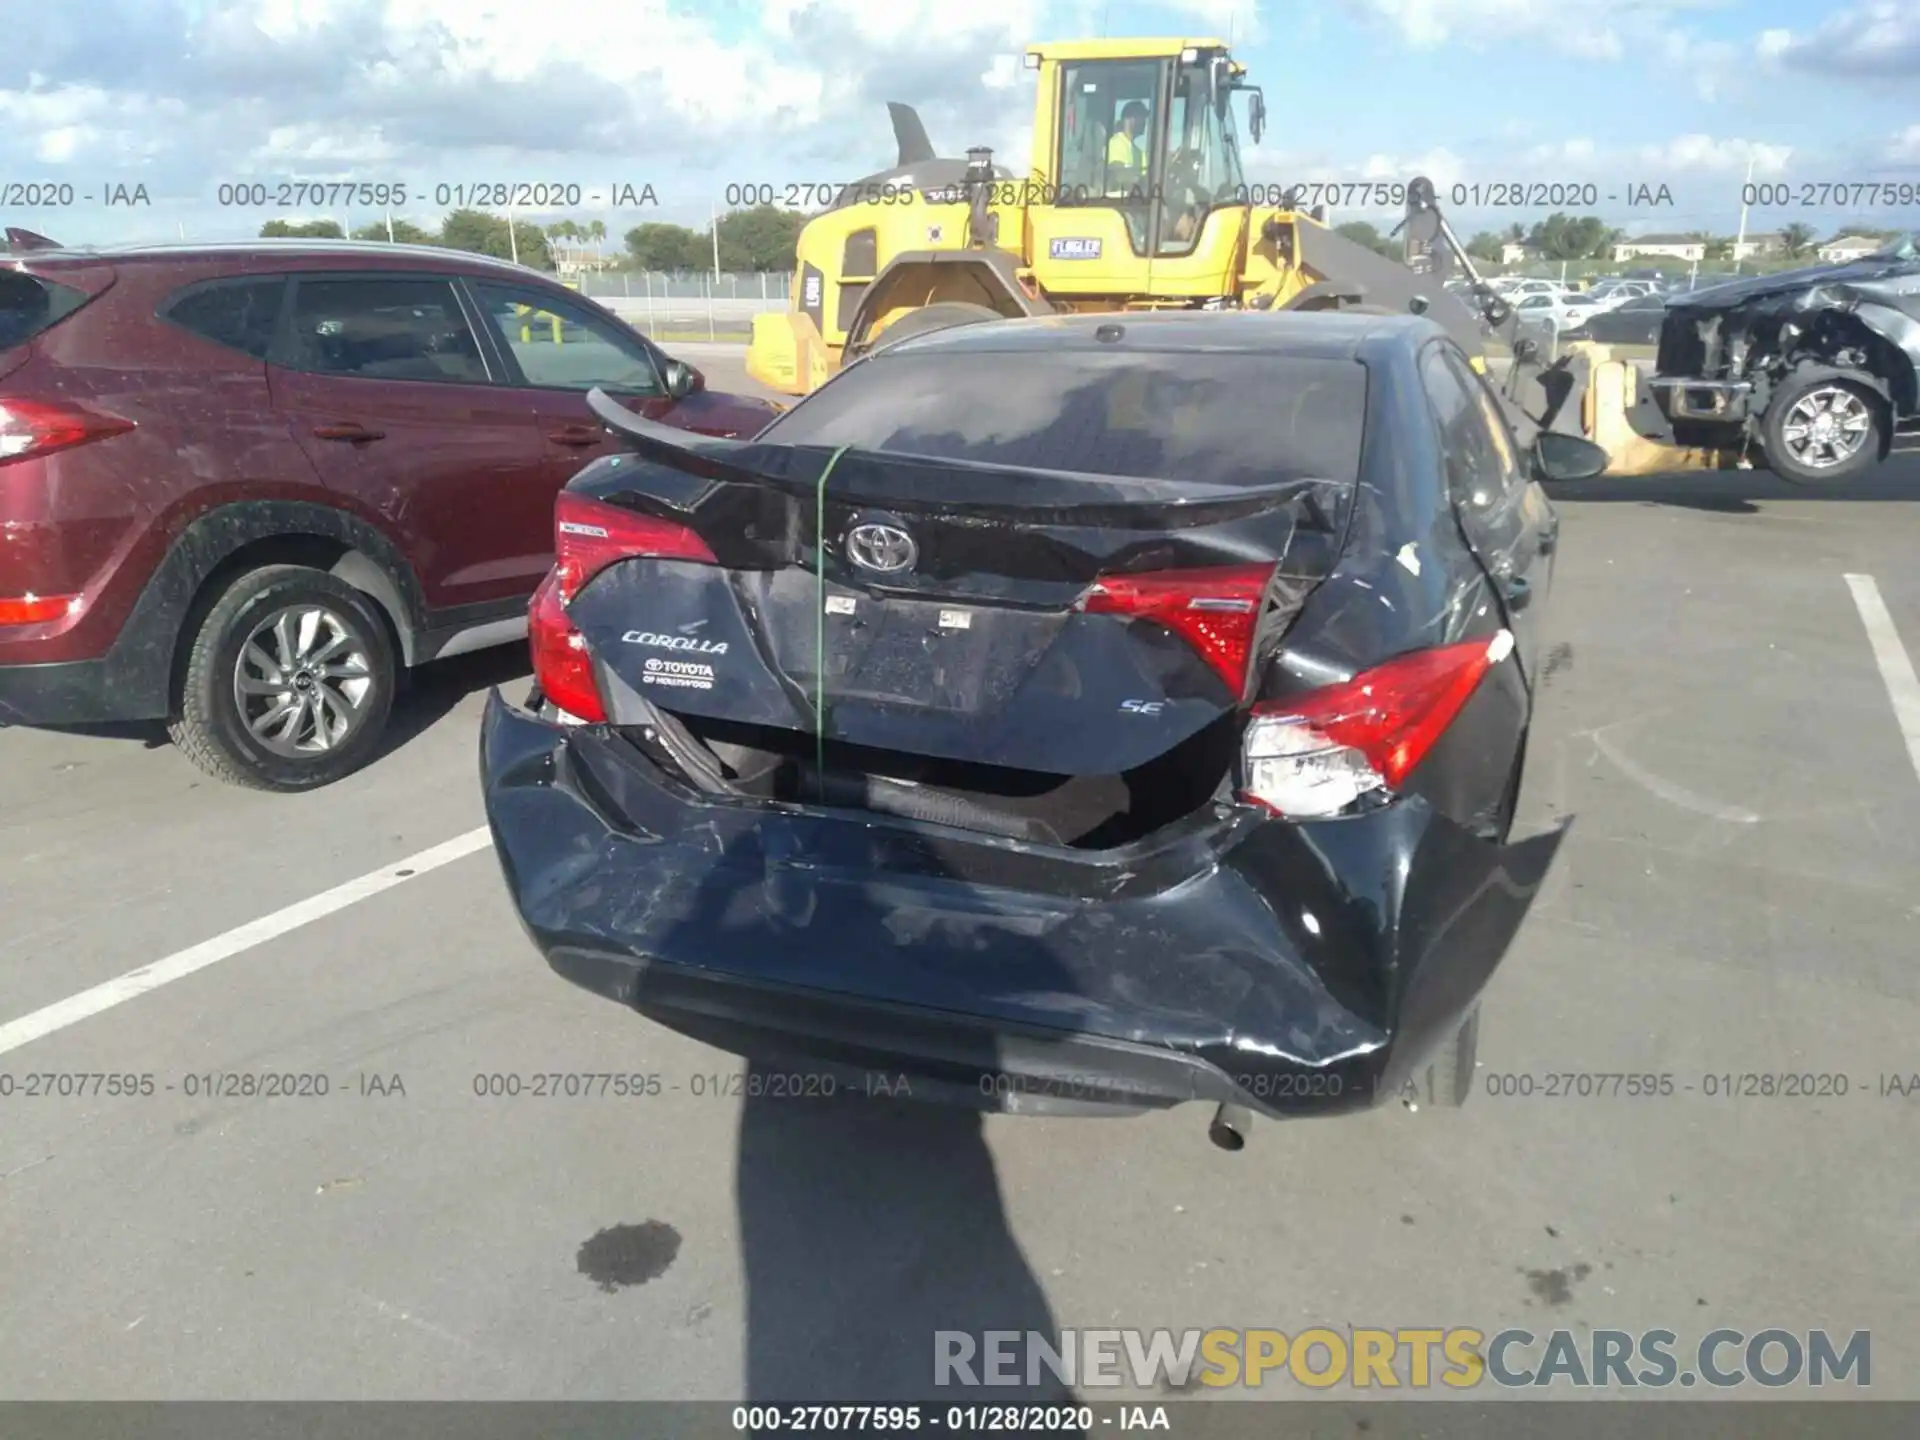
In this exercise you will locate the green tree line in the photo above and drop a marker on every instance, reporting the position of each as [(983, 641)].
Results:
[(763, 238)]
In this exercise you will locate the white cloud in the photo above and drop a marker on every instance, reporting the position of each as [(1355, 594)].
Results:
[(1427, 24), (1904, 148), (1237, 22), (1879, 38), (1689, 155)]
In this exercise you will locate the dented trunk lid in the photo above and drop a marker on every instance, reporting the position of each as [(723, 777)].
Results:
[(988, 633)]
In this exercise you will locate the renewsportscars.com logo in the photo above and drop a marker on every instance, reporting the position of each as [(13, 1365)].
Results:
[(1459, 1358)]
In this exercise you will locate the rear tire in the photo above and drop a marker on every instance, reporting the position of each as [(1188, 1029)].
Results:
[(1447, 1080), (288, 682), (928, 318), (1823, 430)]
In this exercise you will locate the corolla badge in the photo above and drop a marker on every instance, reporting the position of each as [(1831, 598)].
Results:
[(877, 546)]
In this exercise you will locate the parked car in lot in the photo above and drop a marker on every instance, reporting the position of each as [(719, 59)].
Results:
[(244, 487), (1553, 312), (1032, 712), (1816, 365), (1634, 322)]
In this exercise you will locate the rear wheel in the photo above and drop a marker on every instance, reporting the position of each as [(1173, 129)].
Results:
[(288, 682), (1822, 429), (928, 318)]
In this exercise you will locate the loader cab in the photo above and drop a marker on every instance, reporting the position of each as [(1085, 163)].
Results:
[(1182, 164)]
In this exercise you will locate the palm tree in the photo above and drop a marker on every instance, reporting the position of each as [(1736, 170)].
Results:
[(597, 232), (1796, 239)]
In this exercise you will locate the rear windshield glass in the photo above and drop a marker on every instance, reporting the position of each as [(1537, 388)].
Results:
[(1217, 418), (28, 306)]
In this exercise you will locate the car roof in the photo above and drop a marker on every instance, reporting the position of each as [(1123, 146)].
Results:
[(1311, 334), (277, 249)]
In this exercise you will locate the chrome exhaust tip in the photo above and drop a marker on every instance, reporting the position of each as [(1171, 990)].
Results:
[(1229, 1127)]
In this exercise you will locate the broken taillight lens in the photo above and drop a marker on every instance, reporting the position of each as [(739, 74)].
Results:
[(1315, 754), (1214, 610), (32, 428), (588, 536)]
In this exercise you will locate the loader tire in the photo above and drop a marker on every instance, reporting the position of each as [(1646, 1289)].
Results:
[(928, 318)]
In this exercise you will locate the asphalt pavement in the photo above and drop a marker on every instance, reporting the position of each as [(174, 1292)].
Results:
[(1737, 897)]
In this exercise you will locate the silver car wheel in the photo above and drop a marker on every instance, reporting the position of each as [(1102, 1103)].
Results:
[(1826, 427), (302, 681)]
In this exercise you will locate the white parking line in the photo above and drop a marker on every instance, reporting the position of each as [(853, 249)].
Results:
[(1896, 668), (122, 988)]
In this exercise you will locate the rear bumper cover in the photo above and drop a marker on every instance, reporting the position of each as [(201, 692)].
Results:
[(1295, 968)]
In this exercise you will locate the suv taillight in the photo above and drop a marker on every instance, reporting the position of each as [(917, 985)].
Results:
[(1315, 754), (1214, 610), (588, 536), (32, 428)]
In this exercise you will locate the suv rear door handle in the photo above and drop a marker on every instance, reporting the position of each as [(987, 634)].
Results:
[(347, 432), (579, 436), (1549, 538)]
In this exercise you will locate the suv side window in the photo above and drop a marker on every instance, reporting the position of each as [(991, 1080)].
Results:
[(239, 314), (561, 346), (400, 327)]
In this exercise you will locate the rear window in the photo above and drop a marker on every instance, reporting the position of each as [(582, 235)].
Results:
[(29, 305), (1217, 418)]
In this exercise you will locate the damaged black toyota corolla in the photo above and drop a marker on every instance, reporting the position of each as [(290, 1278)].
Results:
[(1816, 366), (1072, 714)]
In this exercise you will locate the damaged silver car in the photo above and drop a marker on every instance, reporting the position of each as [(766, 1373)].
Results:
[(1815, 366)]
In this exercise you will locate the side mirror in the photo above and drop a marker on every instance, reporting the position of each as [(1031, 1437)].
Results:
[(683, 380), (1557, 456)]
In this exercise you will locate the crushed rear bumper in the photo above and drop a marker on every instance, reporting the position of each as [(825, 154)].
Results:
[(1294, 968)]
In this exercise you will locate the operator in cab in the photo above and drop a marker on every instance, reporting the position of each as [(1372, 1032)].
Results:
[(1127, 150)]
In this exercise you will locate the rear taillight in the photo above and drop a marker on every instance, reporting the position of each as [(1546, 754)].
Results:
[(1315, 754), (562, 664), (1214, 610), (32, 428), (588, 536)]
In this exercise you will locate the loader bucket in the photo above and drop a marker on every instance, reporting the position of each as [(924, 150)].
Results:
[(1586, 392)]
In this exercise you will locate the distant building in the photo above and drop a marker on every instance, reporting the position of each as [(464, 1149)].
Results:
[(1515, 252), (1766, 244), (1849, 247), (1669, 247)]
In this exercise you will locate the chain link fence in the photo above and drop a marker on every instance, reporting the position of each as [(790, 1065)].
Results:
[(689, 305)]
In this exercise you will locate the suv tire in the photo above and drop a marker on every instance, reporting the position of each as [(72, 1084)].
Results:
[(1801, 400), (288, 682)]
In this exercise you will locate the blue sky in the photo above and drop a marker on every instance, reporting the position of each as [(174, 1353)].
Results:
[(182, 95)]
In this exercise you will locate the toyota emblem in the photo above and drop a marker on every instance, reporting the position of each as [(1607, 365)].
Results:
[(885, 549)]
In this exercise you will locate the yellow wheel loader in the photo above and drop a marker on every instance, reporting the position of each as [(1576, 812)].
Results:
[(1137, 199)]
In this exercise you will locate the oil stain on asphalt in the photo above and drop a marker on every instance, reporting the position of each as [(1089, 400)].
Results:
[(1556, 1286), (628, 1254)]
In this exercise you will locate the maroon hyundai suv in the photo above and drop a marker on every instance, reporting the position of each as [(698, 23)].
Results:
[(243, 488)]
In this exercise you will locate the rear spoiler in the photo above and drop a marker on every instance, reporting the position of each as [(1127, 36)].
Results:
[(951, 486), (22, 242)]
